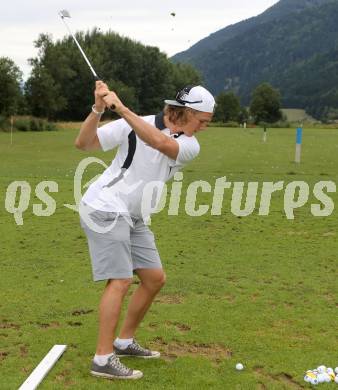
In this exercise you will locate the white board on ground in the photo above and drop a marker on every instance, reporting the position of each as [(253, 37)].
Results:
[(36, 377)]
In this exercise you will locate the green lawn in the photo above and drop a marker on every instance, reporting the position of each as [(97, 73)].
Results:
[(257, 290)]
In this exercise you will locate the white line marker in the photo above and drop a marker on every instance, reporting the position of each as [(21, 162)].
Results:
[(37, 376)]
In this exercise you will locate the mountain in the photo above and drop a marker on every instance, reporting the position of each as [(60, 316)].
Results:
[(293, 45)]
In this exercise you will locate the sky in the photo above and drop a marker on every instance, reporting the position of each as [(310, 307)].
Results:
[(147, 21)]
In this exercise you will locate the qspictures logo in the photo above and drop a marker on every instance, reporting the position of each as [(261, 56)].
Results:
[(247, 198)]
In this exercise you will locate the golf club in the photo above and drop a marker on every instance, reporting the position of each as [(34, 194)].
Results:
[(65, 14)]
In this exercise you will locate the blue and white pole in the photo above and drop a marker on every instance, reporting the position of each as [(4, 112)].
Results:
[(299, 139)]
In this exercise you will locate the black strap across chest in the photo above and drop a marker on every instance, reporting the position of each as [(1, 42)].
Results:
[(132, 143)]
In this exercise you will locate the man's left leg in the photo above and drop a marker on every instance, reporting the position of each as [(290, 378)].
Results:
[(152, 280)]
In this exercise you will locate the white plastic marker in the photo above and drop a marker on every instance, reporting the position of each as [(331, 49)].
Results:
[(37, 376), (264, 134), (299, 139)]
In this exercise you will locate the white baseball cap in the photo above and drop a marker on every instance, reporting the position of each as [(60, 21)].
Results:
[(196, 97)]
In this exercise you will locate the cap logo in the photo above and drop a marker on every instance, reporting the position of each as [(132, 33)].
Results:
[(184, 94)]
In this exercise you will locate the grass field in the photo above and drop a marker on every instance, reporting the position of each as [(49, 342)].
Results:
[(257, 290)]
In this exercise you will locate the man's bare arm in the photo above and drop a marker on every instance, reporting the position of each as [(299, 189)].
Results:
[(147, 132), (87, 138)]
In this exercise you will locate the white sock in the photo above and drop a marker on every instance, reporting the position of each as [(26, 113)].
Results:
[(122, 343), (102, 360)]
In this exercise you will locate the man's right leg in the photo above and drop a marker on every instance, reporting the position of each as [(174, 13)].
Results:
[(109, 313), (106, 364)]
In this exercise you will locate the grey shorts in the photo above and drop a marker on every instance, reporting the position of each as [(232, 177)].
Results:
[(122, 246)]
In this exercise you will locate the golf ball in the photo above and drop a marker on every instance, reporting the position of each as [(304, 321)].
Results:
[(314, 381), (321, 369), (336, 379), (336, 370), (239, 366), (321, 378)]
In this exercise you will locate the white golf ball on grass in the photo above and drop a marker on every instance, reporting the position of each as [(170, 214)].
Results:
[(239, 367), (314, 381), (321, 369)]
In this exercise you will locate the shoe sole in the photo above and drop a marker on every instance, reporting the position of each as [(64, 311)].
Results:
[(140, 356), (107, 376)]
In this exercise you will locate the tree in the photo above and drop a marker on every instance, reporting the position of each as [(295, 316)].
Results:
[(182, 75), (243, 115), (43, 95), (265, 104), (61, 85), (10, 87), (228, 107)]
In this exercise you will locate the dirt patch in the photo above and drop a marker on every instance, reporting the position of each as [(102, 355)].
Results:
[(254, 297), (289, 381), (26, 370), (153, 325), (81, 312), (170, 299), (53, 324), (230, 298), (64, 378), (3, 355), (283, 377), (179, 326), (62, 375), (23, 351), (9, 325), (71, 323), (174, 349)]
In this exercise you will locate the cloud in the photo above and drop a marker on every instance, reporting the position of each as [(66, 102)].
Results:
[(148, 21)]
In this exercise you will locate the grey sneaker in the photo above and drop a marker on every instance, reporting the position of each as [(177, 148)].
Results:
[(114, 369), (135, 350)]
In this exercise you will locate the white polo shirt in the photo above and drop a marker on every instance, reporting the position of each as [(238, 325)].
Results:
[(121, 186)]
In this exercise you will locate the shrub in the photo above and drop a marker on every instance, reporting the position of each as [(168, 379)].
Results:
[(33, 124), (224, 124), (231, 124), (22, 124), (51, 126), (4, 123)]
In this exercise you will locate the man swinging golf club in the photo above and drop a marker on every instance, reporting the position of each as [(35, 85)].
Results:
[(151, 148)]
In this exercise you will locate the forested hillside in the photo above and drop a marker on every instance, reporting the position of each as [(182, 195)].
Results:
[(293, 45)]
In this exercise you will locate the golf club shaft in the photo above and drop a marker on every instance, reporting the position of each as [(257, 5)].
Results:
[(82, 52), (112, 107)]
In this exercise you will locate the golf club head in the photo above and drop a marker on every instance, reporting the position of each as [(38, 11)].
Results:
[(64, 13)]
